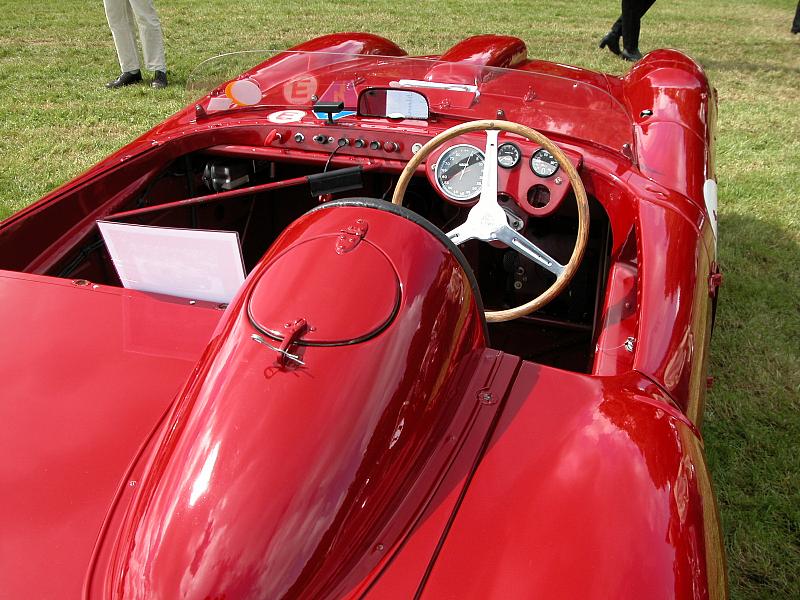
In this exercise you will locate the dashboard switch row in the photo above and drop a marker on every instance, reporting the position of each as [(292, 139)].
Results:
[(320, 138)]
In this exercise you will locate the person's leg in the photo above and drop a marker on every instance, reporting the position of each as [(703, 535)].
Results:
[(611, 39), (631, 24), (150, 35), (644, 6), (121, 24), (796, 23)]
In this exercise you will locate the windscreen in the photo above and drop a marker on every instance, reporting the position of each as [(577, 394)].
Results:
[(554, 104)]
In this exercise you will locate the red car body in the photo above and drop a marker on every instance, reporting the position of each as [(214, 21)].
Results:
[(151, 449)]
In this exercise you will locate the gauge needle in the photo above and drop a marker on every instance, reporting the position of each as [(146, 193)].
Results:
[(464, 170)]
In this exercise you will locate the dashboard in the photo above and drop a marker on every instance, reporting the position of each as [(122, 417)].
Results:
[(528, 175)]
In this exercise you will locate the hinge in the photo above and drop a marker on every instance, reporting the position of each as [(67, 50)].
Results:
[(351, 236)]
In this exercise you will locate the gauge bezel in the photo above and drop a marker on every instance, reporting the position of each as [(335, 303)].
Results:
[(438, 167), (519, 155), (533, 156)]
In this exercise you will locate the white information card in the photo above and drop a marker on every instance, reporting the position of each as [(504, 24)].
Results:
[(188, 263)]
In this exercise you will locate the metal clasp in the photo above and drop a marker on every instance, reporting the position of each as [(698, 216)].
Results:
[(282, 354), (294, 332)]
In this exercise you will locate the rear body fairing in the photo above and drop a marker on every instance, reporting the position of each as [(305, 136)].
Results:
[(299, 473)]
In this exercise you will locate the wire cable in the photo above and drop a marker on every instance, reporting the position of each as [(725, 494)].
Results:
[(328, 163)]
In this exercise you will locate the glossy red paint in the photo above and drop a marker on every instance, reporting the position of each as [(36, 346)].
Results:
[(70, 429), (603, 501), (296, 476), (406, 457), (488, 51), (675, 306), (280, 295), (353, 42), (619, 330), (676, 91)]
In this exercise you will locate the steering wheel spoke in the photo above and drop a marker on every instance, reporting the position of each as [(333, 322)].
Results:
[(461, 234), (515, 240), (489, 181)]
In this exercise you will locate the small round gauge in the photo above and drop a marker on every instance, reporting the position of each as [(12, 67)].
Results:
[(459, 172), (543, 163), (508, 155)]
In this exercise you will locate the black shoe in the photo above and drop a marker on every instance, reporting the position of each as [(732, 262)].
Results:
[(126, 78), (612, 41), (159, 80), (631, 55)]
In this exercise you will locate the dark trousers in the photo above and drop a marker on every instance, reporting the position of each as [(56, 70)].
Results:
[(796, 23), (629, 23)]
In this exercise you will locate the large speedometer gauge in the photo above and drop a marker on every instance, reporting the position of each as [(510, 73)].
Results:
[(459, 172)]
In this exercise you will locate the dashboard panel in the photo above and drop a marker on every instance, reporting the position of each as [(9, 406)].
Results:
[(527, 173)]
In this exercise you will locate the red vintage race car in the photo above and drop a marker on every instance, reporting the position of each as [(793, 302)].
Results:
[(357, 324)]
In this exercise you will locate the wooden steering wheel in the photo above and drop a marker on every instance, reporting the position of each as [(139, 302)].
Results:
[(487, 221)]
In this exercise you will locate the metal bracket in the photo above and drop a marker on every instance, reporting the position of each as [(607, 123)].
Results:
[(257, 338), (630, 344), (714, 281)]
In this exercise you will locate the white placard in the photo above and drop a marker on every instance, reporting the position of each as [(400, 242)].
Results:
[(188, 263)]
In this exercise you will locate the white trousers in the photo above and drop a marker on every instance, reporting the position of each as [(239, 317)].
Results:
[(121, 15)]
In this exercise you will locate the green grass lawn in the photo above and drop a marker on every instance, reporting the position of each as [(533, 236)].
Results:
[(58, 120)]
